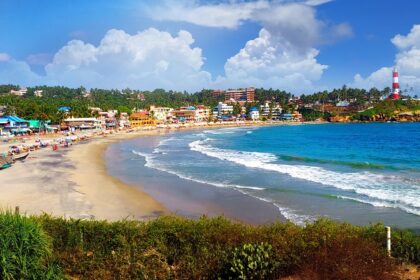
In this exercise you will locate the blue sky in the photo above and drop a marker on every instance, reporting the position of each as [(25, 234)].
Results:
[(301, 46)]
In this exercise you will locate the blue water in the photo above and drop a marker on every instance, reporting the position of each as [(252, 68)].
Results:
[(358, 173)]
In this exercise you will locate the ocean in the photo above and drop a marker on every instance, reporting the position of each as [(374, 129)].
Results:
[(358, 173)]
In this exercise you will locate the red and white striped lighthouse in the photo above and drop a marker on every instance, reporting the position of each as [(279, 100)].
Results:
[(395, 85)]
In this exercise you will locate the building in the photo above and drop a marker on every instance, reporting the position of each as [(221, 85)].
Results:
[(222, 109), (184, 114), (274, 108), (124, 120), (20, 92), (218, 92), (81, 123), (202, 113), (343, 103), (161, 114), (254, 114), (38, 93), (241, 95), (108, 119), (142, 118)]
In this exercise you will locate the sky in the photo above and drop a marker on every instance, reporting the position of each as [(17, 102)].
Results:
[(301, 46)]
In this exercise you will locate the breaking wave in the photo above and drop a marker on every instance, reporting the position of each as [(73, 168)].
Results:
[(389, 190)]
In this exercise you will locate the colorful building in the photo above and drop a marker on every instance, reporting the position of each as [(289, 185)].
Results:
[(142, 118)]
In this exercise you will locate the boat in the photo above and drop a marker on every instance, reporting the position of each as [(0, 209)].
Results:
[(20, 157), (5, 162)]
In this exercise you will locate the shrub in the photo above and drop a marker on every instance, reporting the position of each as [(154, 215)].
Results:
[(251, 261), (25, 250)]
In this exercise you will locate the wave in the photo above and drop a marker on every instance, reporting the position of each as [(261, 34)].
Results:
[(288, 213), (380, 204), (403, 193), (150, 162), (361, 165)]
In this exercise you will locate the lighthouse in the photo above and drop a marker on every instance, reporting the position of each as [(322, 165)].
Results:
[(395, 85)]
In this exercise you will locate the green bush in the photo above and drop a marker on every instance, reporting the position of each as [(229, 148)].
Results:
[(25, 250), (251, 261), (207, 248)]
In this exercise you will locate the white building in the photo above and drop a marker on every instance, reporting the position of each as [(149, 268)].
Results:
[(222, 109), (20, 92), (161, 114), (276, 110), (254, 114), (343, 103), (38, 93)]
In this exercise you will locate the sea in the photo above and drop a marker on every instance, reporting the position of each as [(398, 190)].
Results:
[(357, 173)]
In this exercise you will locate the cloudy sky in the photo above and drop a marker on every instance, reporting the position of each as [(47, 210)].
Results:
[(297, 45)]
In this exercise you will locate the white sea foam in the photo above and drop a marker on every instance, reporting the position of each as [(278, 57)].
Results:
[(152, 163), (288, 213), (381, 187)]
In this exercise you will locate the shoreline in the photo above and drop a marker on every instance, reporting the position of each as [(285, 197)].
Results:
[(74, 182)]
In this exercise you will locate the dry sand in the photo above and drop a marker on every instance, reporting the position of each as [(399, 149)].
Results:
[(74, 183)]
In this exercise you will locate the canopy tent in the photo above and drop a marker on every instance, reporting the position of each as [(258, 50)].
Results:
[(15, 119)]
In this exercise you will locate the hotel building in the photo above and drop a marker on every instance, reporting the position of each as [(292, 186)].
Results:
[(241, 95)]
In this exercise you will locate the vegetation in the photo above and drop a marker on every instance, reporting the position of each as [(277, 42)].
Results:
[(178, 248), (25, 249), (387, 109), (79, 100)]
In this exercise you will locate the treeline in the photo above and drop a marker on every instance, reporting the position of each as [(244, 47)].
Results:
[(79, 99), (44, 247)]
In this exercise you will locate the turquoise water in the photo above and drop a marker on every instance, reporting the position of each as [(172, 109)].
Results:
[(359, 173)]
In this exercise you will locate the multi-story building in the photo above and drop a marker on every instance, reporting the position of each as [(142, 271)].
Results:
[(184, 114), (222, 109), (108, 119), (142, 118), (241, 95), (202, 113), (161, 114), (275, 110), (124, 120)]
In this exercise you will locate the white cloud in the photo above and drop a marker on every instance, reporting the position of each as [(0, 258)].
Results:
[(407, 60), (4, 57), (284, 53), (267, 62), (146, 60), (226, 15), (17, 72)]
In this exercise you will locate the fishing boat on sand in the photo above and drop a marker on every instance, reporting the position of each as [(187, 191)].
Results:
[(5, 162), (20, 157)]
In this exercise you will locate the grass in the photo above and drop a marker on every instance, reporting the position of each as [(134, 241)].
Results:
[(177, 248)]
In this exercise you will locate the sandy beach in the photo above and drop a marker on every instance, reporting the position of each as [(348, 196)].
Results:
[(73, 182)]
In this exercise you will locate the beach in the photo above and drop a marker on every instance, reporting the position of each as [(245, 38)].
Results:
[(73, 182)]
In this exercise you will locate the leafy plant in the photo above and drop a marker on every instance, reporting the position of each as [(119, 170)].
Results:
[(25, 250), (251, 261)]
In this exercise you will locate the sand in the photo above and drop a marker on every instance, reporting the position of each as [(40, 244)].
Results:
[(73, 182)]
